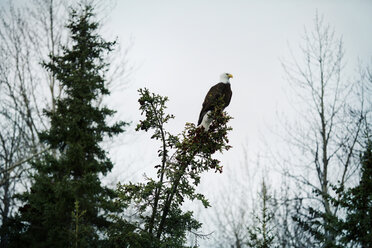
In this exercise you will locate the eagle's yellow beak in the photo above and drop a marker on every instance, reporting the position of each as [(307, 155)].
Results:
[(230, 76)]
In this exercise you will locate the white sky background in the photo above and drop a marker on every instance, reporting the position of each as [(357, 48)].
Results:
[(181, 47)]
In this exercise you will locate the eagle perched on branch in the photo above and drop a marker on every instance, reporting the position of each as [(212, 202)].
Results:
[(220, 90)]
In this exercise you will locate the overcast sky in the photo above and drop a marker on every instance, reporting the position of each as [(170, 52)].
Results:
[(181, 47)]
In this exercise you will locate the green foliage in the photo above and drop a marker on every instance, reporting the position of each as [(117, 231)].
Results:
[(71, 173), (320, 226), (159, 219), (261, 233), (78, 232), (356, 228)]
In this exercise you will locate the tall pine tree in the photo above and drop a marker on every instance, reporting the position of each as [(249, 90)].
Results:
[(67, 205)]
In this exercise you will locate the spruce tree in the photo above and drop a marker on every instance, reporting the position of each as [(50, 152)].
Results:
[(357, 226), (261, 234), (67, 206)]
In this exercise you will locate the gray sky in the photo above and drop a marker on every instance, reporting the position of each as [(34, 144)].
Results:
[(181, 47)]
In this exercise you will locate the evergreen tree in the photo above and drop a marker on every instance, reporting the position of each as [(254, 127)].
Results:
[(67, 206), (357, 226), (315, 223), (261, 233), (157, 218)]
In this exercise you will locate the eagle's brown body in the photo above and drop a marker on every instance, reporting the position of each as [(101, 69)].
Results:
[(219, 90)]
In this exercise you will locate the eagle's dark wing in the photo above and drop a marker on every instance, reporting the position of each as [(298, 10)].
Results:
[(213, 94), (227, 95)]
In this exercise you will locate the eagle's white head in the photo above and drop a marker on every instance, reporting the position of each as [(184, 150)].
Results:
[(225, 77)]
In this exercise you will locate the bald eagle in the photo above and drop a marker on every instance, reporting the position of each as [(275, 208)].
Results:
[(222, 89)]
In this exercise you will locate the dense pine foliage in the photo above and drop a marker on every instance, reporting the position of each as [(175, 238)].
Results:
[(66, 204), (356, 227)]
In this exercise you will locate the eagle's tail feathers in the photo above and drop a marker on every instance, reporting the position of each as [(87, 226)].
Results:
[(205, 121)]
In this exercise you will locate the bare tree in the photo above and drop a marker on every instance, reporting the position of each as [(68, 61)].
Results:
[(237, 216), (324, 139), (251, 215), (231, 213), (27, 35)]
